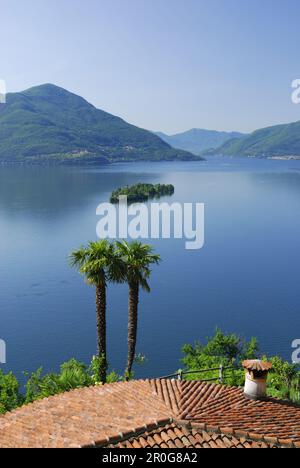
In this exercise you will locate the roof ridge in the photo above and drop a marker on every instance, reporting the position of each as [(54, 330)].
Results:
[(169, 392)]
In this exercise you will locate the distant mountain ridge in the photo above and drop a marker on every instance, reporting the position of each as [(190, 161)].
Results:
[(49, 124), (197, 140), (279, 141)]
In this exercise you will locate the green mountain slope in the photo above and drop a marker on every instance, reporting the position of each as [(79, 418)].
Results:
[(198, 140), (277, 141), (50, 124)]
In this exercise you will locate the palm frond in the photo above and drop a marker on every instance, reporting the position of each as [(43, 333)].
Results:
[(99, 262), (138, 259)]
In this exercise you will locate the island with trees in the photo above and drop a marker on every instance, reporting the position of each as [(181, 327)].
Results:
[(142, 192)]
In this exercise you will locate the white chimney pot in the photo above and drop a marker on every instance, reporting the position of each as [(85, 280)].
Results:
[(256, 379)]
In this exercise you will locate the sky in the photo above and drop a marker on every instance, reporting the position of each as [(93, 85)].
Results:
[(164, 65)]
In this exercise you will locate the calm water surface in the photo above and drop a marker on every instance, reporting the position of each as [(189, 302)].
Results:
[(245, 279)]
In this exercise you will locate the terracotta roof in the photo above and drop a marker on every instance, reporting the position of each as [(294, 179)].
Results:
[(179, 435), (154, 412), (259, 366)]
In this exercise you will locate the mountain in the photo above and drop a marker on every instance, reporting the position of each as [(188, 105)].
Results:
[(277, 141), (198, 140), (49, 124)]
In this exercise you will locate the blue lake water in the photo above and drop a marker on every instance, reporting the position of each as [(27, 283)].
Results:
[(244, 280)]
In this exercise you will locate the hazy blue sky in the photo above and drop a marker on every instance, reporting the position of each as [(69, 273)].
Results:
[(161, 64)]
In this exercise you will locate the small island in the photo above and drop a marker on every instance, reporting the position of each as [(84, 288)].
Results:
[(142, 192)]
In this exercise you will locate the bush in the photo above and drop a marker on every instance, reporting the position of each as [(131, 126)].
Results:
[(10, 397), (221, 349), (284, 380), (231, 350), (72, 375)]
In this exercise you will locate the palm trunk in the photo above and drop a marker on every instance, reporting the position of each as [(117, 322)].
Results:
[(132, 325), (101, 329)]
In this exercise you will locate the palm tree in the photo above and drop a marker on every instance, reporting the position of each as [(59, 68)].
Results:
[(99, 263), (138, 258)]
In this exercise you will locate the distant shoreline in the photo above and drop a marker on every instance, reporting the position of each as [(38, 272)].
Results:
[(82, 163), (284, 158)]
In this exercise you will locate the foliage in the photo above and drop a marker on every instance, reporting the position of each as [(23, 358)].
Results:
[(226, 348), (93, 371), (231, 350), (72, 375), (142, 192), (10, 397), (284, 380), (99, 262), (221, 349), (138, 259)]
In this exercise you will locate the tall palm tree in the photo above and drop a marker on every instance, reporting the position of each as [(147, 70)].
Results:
[(138, 258), (99, 263)]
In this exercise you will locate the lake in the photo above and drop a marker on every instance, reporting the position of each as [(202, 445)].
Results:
[(245, 279)]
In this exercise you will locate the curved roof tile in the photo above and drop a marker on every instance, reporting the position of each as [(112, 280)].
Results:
[(152, 413)]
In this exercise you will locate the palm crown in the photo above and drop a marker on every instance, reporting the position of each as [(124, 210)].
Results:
[(99, 263), (138, 258)]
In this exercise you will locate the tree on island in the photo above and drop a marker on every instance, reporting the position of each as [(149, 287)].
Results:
[(142, 192)]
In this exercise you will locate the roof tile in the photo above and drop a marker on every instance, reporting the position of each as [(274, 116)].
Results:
[(140, 414)]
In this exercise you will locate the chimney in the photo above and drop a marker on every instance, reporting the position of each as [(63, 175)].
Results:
[(256, 378)]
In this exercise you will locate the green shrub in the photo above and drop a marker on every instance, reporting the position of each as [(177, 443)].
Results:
[(284, 380), (10, 397), (72, 375), (231, 350), (220, 349)]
